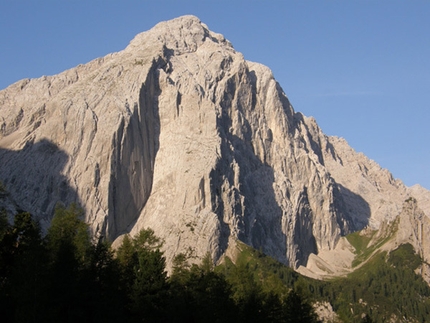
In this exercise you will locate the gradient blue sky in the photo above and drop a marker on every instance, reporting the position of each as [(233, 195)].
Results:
[(361, 68)]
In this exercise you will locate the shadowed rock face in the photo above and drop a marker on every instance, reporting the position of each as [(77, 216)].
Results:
[(33, 175), (178, 132), (135, 146)]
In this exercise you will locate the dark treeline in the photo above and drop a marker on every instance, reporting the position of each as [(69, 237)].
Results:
[(66, 277)]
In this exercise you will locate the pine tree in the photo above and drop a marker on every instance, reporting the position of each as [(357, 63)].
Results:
[(23, 271)]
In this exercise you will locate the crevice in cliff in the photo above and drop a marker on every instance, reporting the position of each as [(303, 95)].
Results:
[(132, 163), (303, 238)]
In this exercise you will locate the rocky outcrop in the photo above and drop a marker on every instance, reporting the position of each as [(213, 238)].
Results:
[(178, 132), (414, 228)]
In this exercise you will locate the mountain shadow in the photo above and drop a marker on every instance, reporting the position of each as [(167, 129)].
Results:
[(33, 177), (356, 209)]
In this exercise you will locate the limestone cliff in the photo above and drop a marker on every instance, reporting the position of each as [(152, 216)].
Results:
[(178, 132)]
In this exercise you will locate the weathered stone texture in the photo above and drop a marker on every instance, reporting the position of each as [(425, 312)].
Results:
[(178, 132)]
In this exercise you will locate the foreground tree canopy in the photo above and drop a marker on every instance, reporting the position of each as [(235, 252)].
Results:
[(67, 277)]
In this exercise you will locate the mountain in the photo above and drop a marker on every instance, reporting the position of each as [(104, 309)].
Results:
[(179, 133)]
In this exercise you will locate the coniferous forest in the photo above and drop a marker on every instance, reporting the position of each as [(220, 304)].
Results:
[(65, 276)]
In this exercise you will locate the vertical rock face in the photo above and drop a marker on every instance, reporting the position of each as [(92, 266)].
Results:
[(414, 228), (178, 132)]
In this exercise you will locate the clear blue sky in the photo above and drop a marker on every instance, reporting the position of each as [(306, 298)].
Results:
[(361, 68)]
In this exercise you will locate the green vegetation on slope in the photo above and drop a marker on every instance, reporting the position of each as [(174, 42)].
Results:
[(366, 243), (270, 273), (385, 287)]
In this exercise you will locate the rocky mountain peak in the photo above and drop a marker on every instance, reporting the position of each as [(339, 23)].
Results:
[(181, 35), (178, 132)]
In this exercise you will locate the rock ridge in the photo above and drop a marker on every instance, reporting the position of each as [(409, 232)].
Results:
[(178, 132)]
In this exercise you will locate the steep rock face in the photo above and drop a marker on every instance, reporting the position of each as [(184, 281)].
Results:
[(368, 183), (181, 134), (414, 228), (245, 169), (373, 199)]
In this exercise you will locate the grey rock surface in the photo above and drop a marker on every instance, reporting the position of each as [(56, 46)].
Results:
[(178, 132)]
